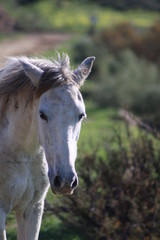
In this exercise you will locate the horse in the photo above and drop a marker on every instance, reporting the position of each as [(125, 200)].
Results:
[(41, 110)]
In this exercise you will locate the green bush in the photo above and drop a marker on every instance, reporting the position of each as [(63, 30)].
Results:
[(145, 44), (121, 79), (118, 198), (125, 4), (24, 2)]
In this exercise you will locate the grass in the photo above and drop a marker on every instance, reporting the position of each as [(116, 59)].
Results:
[(74, 16), (102, 127), (11, 227), (140, 18), (78, 16), (52, 228)]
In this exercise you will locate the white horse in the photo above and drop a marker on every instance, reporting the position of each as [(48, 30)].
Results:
[(41, 110)]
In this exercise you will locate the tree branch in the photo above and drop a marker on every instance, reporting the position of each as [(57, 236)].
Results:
[(135, 121)]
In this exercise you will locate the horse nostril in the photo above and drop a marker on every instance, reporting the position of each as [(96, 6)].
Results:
[(65, 186), (57, 182), (74, 183)]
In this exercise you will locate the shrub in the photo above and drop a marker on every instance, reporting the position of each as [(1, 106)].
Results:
[(24, 2), (118, 198), (124, 5), (121, 79), (145, 44)]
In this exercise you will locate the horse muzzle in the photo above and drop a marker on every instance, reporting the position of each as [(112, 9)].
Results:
[(64, 185)]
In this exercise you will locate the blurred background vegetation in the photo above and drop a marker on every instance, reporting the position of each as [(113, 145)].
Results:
[(118, 163)]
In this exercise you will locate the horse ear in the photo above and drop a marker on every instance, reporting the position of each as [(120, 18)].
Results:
[(32, 71), (82, 72)]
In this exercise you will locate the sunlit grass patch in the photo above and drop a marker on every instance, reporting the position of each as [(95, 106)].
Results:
[(75, 16), (140, 18)]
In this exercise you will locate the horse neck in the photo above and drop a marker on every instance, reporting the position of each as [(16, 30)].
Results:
[(19, 125)]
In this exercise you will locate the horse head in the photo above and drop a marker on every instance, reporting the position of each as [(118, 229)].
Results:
[(60, 113)]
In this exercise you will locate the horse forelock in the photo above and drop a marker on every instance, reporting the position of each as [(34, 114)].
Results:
[(57, 74), (13, 79)]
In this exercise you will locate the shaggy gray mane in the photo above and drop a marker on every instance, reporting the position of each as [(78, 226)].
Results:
[(13, 78)]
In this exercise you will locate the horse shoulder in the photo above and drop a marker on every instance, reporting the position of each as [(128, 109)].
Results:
[(37, 179), (22, 181)]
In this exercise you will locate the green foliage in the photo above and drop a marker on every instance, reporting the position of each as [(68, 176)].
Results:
[(118, 198), (120, 5), (125, 4), (120, 78), (144, 44), (53, 228), (50, 15), (123, 80), (10, 227), (24, 2)]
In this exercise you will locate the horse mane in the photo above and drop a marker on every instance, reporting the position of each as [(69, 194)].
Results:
[(13, 78)]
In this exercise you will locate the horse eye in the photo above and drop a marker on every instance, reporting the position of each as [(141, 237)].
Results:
[(81, 116), (43, 116)]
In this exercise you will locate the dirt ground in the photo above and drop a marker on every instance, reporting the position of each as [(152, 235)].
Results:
[(31, 44)]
